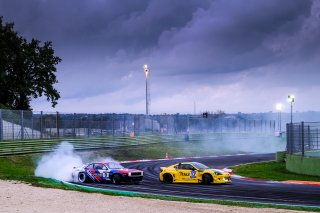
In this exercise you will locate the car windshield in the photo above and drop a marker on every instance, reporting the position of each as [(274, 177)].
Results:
[(200, 166), (115, 166)]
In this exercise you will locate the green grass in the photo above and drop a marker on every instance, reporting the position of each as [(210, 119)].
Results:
[(270, 170)]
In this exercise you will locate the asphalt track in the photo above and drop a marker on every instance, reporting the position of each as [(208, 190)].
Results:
[(240, 190)]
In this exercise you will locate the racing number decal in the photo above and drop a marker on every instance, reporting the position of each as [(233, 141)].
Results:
[(105, 174), (193, 174)]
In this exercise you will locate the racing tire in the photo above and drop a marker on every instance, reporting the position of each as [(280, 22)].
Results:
[(206, 179), (167, 178), (116, 179), (82, 177)]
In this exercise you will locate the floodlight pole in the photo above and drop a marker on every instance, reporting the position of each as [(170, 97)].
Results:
[(291, 100), (147, 73), (291, 114)]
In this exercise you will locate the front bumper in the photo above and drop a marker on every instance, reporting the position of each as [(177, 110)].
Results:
[(127, 178)]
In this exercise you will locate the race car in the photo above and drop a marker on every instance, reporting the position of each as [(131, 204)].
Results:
[(99, 172), (193, 172)]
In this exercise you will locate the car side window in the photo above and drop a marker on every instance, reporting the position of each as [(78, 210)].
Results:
[(98, 166), (104, 167), (90, 166), (187, 167), (191, 167)]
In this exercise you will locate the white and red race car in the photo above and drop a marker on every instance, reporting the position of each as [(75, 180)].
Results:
[(100, 172)]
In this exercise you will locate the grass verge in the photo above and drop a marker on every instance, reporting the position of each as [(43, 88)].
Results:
[(270, 170)]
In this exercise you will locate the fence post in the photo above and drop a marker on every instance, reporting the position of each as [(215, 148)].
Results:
[(317, 138), (88, 125), (309, 141), (57, 125), (124, 125), (12, 128), (302, 138), (113, 124), (288, 139), (21, 125), (100, 124), (41, 134), (32, 124), (1, 126), (151, 124), (74, 125)]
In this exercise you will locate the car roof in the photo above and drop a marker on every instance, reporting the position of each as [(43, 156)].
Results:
[(189, 162), (105, 162)]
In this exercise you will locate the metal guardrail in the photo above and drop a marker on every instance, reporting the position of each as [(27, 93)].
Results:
[(303, 138)]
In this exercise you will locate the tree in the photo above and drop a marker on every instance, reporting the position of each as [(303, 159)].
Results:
[(27, 69)]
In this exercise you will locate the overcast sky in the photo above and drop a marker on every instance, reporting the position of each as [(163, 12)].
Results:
[(235, 56)]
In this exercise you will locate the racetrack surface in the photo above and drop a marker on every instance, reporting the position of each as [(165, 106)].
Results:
[(239, 190)]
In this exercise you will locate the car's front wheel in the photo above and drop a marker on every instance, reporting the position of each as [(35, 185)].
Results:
[(167, 178), (206, 179), (82, 177)]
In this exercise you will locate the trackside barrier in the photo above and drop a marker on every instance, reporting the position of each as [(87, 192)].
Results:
[(303, 165), (280, 156)]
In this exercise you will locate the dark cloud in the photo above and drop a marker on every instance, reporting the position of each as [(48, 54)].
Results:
[(192, 46), (230, 36), (100, 27)]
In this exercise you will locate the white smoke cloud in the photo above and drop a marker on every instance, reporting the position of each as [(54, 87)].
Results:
[(105, 159), (59, 164)]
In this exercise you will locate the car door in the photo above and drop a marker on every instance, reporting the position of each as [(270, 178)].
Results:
[(185, 173), (193, 174), (89, 170), (106, 173), (98, 171)]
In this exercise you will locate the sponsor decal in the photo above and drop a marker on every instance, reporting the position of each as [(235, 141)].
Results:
[(193, 174), (184, 173)]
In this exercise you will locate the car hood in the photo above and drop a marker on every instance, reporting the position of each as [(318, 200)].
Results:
[(125, 171), (218, 171)]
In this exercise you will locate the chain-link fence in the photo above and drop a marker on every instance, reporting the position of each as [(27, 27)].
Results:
[(303, 138), (20, 125)]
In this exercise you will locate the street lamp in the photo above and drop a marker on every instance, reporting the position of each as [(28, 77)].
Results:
[(279, 107), (291, 100), (147, 73)]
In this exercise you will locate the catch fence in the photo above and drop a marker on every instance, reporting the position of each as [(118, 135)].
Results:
[(21, 125), (303, 139)]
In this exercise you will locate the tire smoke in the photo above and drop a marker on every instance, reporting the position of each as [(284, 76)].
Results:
[(59, 164)]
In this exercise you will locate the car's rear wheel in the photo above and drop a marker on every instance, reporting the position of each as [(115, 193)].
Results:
[(82, 177), (206, 179), (167, 178), (116, 179)]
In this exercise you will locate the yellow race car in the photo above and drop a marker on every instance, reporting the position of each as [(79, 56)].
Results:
[(193, 172)]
